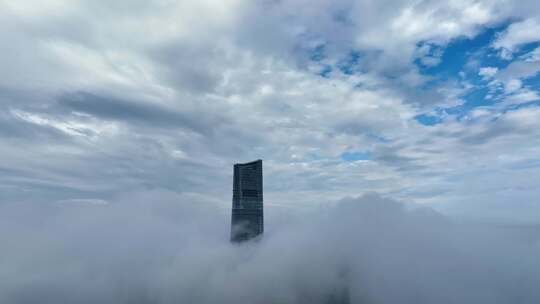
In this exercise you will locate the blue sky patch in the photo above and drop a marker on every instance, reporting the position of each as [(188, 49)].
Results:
[(427, 119), (458, 52), (350, 62), (355, 155), (325, 71), (317, 53), (460, 62)]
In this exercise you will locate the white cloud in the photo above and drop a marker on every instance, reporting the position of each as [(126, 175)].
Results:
[(176, 249), (533, 55), (488, 72), (521, 96), (512, 86), (517, 34)]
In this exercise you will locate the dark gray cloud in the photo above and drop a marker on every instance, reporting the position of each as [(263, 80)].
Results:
[(151, 115), (195, 68)]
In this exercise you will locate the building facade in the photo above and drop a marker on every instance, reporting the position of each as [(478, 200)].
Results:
[(247, 219)]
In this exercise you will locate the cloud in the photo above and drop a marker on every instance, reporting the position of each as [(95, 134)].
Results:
[(488, 72), (138, 112), (533, 56), (510, 79), (519, 69), (104, 98), (522, 96), (516, 35), (159, 247), (120, 122)]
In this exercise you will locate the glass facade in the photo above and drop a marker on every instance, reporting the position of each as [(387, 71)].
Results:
[(247, 219)]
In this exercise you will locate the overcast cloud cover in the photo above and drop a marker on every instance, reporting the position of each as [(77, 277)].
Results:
[(120, 122)]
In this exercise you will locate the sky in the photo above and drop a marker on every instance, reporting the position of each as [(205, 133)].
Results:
[(400, 141), (428, 102)]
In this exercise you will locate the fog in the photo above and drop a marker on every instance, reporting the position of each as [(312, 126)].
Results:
[(160, 247)]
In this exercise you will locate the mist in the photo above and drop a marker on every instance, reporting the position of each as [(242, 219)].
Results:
[(160, 247)]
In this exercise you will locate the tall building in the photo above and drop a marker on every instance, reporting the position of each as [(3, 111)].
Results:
[(247, 219)]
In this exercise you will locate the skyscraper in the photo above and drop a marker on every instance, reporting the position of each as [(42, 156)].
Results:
[(247, 219)]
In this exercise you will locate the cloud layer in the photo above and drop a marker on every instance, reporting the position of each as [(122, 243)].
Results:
[(159, 247)]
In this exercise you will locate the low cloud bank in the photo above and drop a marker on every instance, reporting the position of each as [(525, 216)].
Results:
[(161, 248)]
